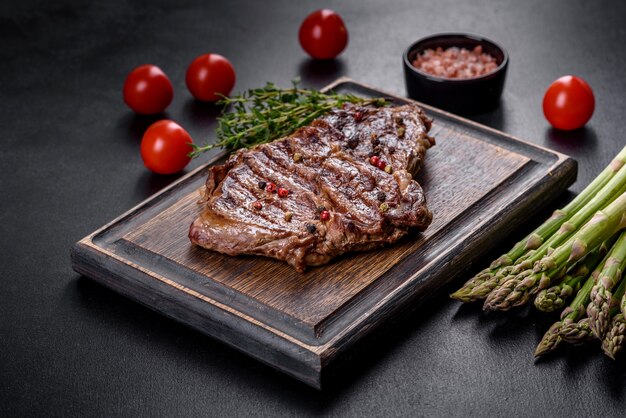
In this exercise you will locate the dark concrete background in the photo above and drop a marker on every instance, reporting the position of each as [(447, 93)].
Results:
[(69, 162)]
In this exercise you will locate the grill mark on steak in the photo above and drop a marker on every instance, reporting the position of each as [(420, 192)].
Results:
[(334, 173)]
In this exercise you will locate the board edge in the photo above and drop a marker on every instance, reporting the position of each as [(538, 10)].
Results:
[(298, 362)]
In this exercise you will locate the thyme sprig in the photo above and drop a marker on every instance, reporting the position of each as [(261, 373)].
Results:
[(264, 114)]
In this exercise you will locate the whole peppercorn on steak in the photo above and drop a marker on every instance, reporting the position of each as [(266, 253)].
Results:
[(344, 183)]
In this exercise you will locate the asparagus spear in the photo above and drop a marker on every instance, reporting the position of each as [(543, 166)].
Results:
[(598, 308), (479, 286), (483, 290), (482, 284), (517, 290), (613, 341), (600, 227), (615, 187), (553, 298), (569, 317)]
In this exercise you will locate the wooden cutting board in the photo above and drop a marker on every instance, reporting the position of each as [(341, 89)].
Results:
[(480, 184)]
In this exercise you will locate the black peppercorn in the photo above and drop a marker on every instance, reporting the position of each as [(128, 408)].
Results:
[(381, 196), (311, 228), (321, 209), (262, 185), (352, 143)]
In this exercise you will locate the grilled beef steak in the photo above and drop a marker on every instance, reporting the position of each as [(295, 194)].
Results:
[(344, 183)]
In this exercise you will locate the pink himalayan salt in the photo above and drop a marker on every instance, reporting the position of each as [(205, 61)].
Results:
[(455, 62)]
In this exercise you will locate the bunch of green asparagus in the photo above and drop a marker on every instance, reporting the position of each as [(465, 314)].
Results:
[(577, 254)]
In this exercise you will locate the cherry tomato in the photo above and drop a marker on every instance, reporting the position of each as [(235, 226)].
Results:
[(208, 75), (164, 147), (568, 103), (147, 90), (323, 35)]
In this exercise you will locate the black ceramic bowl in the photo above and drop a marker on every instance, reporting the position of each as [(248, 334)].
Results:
[(465, 96)]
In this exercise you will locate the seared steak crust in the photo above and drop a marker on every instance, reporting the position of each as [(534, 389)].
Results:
[(325, 167)]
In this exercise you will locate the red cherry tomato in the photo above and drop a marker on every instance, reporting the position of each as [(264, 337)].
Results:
[(208, 75), (147, 90), (164, 147), (323, 35), (568, 103)]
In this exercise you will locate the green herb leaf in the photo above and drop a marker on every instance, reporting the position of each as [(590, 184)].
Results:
[(262, 115)]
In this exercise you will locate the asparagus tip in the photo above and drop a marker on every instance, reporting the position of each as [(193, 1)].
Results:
[(550, 340), (460, 295)]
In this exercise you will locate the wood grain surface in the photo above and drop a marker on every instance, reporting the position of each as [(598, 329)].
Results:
[(453, 180), (479, 184)]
